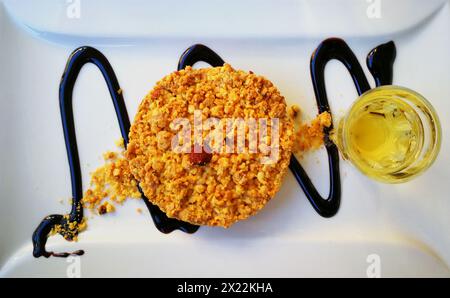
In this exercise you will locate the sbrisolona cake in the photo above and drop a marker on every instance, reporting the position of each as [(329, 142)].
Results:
[(211, 185)]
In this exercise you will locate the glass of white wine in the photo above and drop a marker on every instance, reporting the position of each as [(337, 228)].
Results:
[(390, 133)]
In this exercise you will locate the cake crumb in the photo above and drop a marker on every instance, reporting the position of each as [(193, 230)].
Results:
[(310, 136), (112, 182), (106, 207), (109, 155), (70, 229), (120, 143), (294, 111)]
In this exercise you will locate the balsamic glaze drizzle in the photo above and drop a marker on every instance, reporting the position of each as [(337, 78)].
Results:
[(380, 61), (197, 53)]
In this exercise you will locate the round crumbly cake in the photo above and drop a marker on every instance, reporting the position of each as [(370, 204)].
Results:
[(215, 189)]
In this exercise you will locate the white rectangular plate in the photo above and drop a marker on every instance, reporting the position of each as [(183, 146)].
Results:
[(406, 227)]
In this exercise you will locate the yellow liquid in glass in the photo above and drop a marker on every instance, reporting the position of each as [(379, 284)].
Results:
[(385, 136), (391, 134)]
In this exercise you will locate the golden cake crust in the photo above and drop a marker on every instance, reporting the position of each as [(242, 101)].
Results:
[(228, 187)]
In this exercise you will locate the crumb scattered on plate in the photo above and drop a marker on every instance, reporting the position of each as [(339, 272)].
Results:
[(111, 182), (310, 136)]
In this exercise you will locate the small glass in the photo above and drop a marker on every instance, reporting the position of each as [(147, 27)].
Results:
[(390, 134)]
